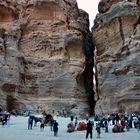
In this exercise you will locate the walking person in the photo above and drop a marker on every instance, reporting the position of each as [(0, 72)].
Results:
[(89, 129), (55, 128)]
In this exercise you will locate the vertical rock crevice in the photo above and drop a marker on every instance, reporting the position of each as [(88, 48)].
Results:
[(88, 72), (121, 31)]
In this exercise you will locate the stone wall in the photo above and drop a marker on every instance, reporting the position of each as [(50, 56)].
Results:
[(45, 55), (116, 36)]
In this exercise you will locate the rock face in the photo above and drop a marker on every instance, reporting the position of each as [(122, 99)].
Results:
[(116, 35), (46, 56)]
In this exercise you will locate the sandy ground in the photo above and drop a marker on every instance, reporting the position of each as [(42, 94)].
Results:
[(17, 130)]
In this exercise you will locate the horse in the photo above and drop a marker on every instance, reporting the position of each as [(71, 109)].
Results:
[(48, 117), (36, 120)]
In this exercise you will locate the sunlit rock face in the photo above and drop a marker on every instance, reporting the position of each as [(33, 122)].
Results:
[(45, 61), (116, 35)]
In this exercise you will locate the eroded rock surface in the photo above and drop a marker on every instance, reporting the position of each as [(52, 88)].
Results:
[(43, 46), (116, 35)]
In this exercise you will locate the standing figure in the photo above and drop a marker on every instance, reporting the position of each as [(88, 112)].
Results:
[(89, 129), (30, 122), (117, 118), (51, 123), (42, 124), (127, 126), (113, 118), (5, 117), (87, 117), (98, 129), (64, 113), (55, 128), (76, 121), (106, 126), (3, 121), (138, 126), (71, 118)]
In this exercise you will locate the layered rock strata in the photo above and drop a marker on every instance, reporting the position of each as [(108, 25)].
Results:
[(46, 56), (116, 35)]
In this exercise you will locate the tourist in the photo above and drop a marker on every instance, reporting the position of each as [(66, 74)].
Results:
[(5, 117), (89, 129), (76, 121), (51, 123), (98, 129), (3, 121), (64, 114), (55, 128), (117, 118), (8, 119), (138, 126), (113, 119), (42, 124), (127, 126), (130, 119), (71, 127), (30, 122), (87, 117), (106, 126), (71, 117), (123, 123)]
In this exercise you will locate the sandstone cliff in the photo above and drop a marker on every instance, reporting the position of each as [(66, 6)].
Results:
[(46, 56), (116, 36)]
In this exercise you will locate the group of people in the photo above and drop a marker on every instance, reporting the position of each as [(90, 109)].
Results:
[(53, 124), (82, 125), (119, 121), (5, 118), (126, 121), (90, 128)]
